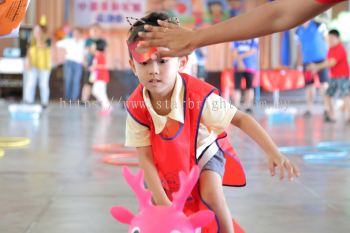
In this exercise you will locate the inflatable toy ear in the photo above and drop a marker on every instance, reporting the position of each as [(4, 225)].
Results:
[(12, 13), (201, 218), (122, 214)]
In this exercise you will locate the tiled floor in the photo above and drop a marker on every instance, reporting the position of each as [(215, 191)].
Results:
[(58, 184)]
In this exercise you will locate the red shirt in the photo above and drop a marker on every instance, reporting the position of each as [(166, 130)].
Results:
[(329, 1), (341, 68), (101, 74)]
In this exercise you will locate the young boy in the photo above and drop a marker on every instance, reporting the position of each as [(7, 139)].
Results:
[(177, 121), (339, 71), (101, 74)]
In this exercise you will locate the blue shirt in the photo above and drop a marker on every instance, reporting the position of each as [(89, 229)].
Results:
[(250, 62), (313, 44)]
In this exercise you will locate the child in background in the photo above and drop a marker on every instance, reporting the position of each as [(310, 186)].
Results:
[(177, 121), (339, 72), (100, 78)]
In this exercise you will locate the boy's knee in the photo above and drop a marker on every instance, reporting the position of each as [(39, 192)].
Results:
[(213, 198)]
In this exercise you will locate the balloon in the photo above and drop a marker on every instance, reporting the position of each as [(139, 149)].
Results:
[(162, 219)]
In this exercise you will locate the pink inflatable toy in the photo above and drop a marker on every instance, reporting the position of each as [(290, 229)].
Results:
[(162, 219)]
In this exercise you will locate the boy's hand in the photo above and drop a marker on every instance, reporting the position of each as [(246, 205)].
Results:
[(313, 68), (284, 164)]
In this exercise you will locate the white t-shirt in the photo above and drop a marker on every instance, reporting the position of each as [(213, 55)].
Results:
[(75, 49)]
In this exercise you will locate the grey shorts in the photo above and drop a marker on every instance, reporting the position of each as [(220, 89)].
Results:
[(341, 84), (216, 163)]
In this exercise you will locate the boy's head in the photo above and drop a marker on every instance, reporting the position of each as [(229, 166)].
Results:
[(100, 45), (334, 37), (156, 75), (215, 8), (95, 31)]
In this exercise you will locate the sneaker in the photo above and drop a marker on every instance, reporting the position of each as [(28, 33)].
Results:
[(105, 112), (307, 113), (249, 110), (327, 118)]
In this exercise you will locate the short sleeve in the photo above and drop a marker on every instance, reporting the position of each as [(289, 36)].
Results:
[(217, 113), (255, 43), (233, 45), (136, 135), (322, 28)]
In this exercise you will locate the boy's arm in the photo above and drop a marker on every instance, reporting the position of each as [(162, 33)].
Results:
[(151, 176), (269, 18), (314, 68), (275, 159)]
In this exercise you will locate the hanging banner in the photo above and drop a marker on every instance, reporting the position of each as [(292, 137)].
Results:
[(107, 13)]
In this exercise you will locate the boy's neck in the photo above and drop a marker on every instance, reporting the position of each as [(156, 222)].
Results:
[(162, 102)]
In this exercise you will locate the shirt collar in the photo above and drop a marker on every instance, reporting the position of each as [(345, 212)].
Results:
[(177, 106)]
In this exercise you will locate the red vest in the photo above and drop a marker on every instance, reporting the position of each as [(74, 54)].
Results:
[(330, 1), (178, 153)]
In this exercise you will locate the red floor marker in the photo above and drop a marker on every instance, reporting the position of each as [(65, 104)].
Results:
[(122, 159), (109, 148)]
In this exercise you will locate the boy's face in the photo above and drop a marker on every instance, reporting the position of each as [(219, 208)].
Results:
[(333, 40), (158, 75)]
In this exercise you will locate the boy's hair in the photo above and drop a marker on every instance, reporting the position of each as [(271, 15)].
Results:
[(150, 19), (334, 32), (100, 45)]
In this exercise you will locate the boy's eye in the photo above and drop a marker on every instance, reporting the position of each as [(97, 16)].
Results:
[(163, 61), (143, 63)]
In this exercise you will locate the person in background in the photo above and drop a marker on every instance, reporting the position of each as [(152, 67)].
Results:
[(201, 57), (245, 55), (95, 33), (337, 61), (100, 74), (39, 67), (235, 7), (73, 65), (311, 37)]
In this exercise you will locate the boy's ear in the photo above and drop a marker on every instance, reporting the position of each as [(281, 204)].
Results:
[(182, 63), (132, 65)]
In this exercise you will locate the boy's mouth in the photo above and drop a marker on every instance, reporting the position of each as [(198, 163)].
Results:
[(154, 81)]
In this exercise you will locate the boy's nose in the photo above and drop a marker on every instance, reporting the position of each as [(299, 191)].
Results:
[(153, 68)]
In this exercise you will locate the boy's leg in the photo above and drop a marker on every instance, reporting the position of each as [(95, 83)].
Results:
[(344, 94), (78, 71), (310, 90), (324, 79), (249, 92), (67, 77), (30, 86), (210, 185), (44, 86), (331, 90), (237, 93)]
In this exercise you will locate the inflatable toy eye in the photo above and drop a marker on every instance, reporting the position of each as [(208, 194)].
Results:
[(136, 230)]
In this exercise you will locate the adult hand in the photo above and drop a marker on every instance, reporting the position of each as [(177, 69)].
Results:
[(177, 39)]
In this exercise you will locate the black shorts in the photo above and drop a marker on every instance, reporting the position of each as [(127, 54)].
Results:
[(86, 76), (248, 78), (322, 74)]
